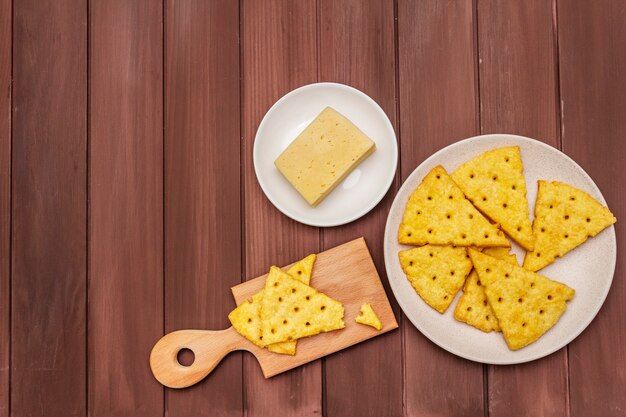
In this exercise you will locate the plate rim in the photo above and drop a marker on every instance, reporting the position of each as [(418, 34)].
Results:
[(383, 190), (389, 226)]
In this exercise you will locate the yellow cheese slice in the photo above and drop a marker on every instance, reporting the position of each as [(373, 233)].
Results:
[(323, 155)]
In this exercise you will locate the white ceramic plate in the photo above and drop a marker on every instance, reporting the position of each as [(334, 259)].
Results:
[(588, 269), (360, 191)]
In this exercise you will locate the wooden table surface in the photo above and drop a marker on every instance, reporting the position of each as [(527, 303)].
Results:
[(129, 204)]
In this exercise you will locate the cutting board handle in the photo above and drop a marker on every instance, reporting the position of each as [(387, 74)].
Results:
[(208, 347)]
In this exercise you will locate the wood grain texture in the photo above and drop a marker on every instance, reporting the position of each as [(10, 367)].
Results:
[(357, 47), (278, 55), (126, 206), (202, 188), (6, 15), (518, 69), (438, 106), (49, 209), (592, 36), (519, 95)]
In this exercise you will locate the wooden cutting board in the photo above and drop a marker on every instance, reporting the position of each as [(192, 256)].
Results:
[(345, 273)]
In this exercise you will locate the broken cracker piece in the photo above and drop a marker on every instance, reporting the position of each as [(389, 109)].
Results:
[(369, 317)]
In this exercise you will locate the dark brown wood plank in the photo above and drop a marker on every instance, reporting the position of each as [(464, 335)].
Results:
[(49, 208), (279, 54), (357, 43), (519, 95), (518, 69), (6, 14), (202, 189), (126, 206), (592, 36), (438, 106)]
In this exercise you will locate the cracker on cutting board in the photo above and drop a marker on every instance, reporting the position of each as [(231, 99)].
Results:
[(473, 307), (291, 310), (302, 269), (368, 317), (246, 318), (526, 304), (494, 182), (564, 218), (436, 273), (302, 272), (438, 213)]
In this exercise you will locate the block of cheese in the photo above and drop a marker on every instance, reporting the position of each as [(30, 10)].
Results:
[(323, 155)]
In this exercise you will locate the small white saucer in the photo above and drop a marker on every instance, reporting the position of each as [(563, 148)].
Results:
[(362, 189)]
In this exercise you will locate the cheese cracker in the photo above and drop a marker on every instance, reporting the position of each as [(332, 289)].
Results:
[(564, 218), (494, 182), (368, 317), (438, 213), (302, 272), (246, 318), (526, 304), (291, 310), (436, 273), (473, 307)]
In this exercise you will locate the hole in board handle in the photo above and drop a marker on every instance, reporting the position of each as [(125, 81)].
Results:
[(185, 357)]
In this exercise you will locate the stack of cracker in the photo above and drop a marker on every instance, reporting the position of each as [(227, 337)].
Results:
[(459, 222), (287, 309)]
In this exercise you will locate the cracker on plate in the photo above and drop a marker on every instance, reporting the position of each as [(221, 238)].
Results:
[(291, 310), (473, 307), (564, 218), (436, 273), (494, 182), (526, 304), (438, 213)]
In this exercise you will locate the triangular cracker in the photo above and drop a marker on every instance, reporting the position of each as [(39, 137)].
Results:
[(246, 318), (494, 182), (368, 317), (302, 269), (473, 307), (564, 218), (302, 272), (436, 273), (291, 310), (438, 213), (526, 304)]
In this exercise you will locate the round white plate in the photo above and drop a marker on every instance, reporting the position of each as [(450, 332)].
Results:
[(588, 269), (360, 191)]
